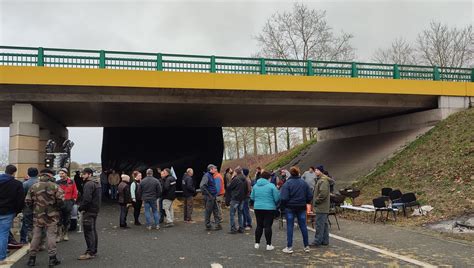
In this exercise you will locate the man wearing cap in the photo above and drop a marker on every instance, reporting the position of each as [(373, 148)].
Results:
[(90, 204), (70, 196), (46, 199), (321, 204), (209, 191)]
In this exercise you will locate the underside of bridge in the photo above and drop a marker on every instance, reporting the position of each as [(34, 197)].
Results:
[(164, 114), (178, 127)]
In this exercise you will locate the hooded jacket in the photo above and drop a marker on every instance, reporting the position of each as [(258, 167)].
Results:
[(12, 195), (265, 195)]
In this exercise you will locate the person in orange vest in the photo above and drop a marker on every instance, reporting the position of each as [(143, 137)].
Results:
[(220, 187)]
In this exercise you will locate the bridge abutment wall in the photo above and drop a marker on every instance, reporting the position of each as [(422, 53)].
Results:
[(447, 105), (30, 129)]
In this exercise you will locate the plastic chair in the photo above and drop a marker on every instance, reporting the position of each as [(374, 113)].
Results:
[(381, 206), (409, 200), (386, 191)]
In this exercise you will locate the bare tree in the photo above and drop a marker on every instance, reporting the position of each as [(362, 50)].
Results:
[(438, 45), (400, 52), (275, 136), (305, 136), (3, 159), (442, 46), (303, 34), (255, 138), (268, 135)]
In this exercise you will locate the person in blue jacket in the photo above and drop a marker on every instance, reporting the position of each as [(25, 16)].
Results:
[(295, 194), (265, 197)]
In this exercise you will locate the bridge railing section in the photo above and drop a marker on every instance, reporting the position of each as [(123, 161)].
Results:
[(100, 59)]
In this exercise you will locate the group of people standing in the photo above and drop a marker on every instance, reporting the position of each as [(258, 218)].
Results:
[(46, 203), (151, 192), (287, 195)]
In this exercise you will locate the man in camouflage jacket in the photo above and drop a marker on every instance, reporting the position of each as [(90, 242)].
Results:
[(46, 198)]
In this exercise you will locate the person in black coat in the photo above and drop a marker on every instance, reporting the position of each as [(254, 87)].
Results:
[(169, 194), (124, 199), (188, 192)]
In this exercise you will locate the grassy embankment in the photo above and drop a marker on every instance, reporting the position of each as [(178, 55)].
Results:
[(438, 167)]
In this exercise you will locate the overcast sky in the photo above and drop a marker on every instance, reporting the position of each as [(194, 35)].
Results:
[(201, 27)]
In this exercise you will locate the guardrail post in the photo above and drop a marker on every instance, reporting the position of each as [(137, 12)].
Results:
[(396, 72), (263, 70), (436, 74), (213, 64), (102, 60), (354, 70), (159, 62), (40, 56), (309, 65)]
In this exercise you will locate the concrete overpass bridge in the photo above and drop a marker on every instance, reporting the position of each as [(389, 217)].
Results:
[(44, 90)]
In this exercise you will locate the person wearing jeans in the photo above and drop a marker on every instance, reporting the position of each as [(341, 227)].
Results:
[(295, 195), (114, 180), (246, 207), (236, 206), (300, 215), (151, 205), (265, 197), (150, 191), (235, 196), (12, 198), (6, 221)]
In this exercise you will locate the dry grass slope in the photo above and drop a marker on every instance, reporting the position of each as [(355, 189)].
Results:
[(438, 167)]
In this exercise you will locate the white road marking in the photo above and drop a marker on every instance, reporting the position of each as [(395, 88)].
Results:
[(216, 265), (378, 250), (12, 259)]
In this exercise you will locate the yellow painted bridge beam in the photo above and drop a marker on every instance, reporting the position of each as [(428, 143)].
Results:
[(20, 75)]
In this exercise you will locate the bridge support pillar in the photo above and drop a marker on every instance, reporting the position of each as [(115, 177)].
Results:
[(29, 131)]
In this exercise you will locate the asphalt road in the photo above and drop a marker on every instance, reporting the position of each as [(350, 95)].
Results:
[(189, 245)]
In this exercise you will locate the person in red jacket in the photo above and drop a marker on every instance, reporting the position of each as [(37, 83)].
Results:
[(70, 196)]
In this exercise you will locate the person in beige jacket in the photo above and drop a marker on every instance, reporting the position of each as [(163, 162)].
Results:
[(114, 180), (321, 203)]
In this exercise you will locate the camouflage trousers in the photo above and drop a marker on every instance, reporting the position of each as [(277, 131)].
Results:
[(50, 236)]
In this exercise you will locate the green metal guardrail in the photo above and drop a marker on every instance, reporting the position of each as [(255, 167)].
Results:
[(77, 58)]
